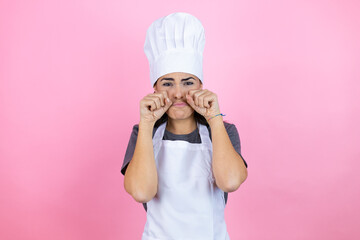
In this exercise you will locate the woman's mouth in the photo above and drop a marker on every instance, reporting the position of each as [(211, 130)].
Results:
[(179, 104)]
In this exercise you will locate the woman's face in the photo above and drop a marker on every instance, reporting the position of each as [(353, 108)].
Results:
[(177, 85)]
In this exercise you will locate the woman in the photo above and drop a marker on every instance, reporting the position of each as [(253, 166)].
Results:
[(181, 161)]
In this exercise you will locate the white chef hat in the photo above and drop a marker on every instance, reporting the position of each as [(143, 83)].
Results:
[(175, 43)]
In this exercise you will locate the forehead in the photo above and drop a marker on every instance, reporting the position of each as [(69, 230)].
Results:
[(178, 76)]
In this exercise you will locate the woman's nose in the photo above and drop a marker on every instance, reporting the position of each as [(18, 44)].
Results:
[(179, 92)]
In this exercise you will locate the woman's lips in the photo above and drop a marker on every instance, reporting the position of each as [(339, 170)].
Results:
[(182, 104)]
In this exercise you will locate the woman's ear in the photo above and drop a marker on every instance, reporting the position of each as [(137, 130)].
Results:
[(155, 89)]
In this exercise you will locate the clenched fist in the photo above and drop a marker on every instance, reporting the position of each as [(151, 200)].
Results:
[(153, 106), (204, 102)]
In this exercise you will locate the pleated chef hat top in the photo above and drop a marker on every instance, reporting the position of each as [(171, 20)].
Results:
[(175, 43)]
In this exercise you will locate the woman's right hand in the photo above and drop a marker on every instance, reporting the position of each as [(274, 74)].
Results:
[(153, 106)]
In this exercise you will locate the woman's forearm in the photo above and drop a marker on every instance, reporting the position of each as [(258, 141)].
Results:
[(228, 167), (141, 175)]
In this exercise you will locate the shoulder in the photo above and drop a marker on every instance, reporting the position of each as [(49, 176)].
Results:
[(232, 132), (230, 128), (135, 130), (131, 147)]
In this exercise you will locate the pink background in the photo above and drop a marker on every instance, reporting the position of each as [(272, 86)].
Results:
[(72, 74)]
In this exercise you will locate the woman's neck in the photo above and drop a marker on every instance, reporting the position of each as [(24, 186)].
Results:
[(183, 126)]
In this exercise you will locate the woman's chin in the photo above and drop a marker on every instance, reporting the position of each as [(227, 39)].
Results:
[(179, 114)]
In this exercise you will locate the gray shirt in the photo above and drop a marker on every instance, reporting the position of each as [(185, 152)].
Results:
[(193, 137)]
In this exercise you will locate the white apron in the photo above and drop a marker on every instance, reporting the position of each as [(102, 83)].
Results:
[(188, 204)]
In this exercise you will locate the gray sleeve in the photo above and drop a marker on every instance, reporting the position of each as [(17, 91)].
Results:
[(234, 138), (130, 148)]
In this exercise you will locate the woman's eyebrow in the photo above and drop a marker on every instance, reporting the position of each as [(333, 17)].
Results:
[(184, 79), (170, 79)]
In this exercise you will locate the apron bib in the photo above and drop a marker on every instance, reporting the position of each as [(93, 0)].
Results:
[(188, 204)]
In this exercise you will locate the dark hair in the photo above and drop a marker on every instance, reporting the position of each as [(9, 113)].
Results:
[(198, 118)]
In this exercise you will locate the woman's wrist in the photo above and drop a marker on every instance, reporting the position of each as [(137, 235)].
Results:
[(211, 117), (214, 121), (146, 125)]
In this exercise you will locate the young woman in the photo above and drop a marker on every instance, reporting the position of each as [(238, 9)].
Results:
[(182, 158)]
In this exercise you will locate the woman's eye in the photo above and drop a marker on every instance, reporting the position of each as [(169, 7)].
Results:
[(166, 84), (189, 83)]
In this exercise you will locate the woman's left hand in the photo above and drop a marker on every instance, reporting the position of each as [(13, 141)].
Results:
[(204, 102)]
